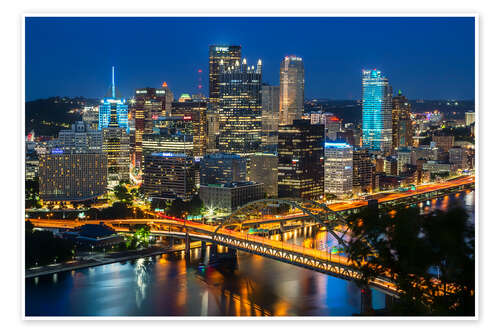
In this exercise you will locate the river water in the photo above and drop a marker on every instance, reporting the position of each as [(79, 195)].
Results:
[(170, 285)]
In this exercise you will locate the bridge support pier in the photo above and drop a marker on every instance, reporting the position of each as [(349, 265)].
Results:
[(188, 246), (366, 301)]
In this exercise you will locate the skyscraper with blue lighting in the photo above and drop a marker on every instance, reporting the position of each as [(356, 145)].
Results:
[(113, 111), (377, 112)]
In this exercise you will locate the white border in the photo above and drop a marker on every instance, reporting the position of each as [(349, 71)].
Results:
[(231, 13)]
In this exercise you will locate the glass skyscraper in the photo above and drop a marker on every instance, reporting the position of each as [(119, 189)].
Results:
[(240, 109), (113, 111), (291, 90), (377, 112)]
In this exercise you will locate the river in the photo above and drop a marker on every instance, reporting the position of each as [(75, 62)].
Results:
[(170, 285)]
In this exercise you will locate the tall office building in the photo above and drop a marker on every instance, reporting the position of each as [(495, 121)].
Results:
[(148, 104), (291, 90), (270, 117), (362, 171), (114, 123), (300, 160), (220, 57), (338, 168), (168, 175), (163, 141), (222, 168), (263, 168), (194, 111), (240, 109), (113, 111), (377, 112), (333, 125), (402, 131)]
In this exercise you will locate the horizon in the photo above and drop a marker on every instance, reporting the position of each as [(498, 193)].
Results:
[(73, 56)]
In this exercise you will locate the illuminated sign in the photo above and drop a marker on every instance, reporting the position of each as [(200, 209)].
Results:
[(141, 91), (160, 92), (57, 151), (222, 49), (187, 118)]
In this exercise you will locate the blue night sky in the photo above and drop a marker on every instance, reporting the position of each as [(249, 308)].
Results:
[(430, 58)]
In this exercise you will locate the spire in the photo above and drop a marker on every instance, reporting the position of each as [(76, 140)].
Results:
[(113, 82)]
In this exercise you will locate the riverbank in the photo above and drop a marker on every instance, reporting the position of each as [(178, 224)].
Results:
[(97, 261)]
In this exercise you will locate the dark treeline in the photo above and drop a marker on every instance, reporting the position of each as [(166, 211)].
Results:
[(418, 249)]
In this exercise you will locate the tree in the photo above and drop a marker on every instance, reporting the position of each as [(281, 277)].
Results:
[(178, 208), (195, 206), (410, 246), (122, 194)]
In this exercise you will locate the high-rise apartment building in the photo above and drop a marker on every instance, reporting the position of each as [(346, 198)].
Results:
[(402, 131), (240, 109), (377, 111), (270, 117), (300, 160), (338, 168), (291, 90)]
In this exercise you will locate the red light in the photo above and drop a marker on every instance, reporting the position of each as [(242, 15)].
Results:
[(199, 70), (187, 118)]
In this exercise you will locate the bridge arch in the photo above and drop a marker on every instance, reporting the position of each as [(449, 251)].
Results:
[(300, 204)]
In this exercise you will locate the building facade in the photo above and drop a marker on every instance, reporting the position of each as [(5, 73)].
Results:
[(338, 168), (270, 117), (113, 111), (66, 176), (362, 171), (263, 168), (81, 138), (169, 175), (300, 160), (222, 168), (402, 129), (377, 111), (240, 109), (228, 197), (291, 90), (194, 111)]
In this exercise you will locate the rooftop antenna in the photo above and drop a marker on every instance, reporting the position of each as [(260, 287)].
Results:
[(113, 81)]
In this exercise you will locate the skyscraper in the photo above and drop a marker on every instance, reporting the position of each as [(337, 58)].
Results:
[(220, 57), (270, 116), (113, 110), (300, 160), (377, 112), (291, 90), (194, 111), (402, 131), (114, 123), (240, 109), (362, 171)]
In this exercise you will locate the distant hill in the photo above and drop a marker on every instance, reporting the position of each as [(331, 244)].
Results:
[(48, 116)]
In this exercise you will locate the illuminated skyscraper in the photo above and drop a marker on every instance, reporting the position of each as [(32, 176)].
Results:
[(291, 90), (113, 110), (194, 111), (377, 112), (402, 132), (114, 123), (220, 57), (338, 168), (240, 109), (147, 105)]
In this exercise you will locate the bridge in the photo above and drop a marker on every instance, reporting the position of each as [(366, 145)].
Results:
[(230, 233)]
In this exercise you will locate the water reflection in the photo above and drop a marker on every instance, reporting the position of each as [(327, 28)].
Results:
[(171, 285)]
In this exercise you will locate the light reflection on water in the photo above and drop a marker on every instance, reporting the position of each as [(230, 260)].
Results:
[(168, 285)]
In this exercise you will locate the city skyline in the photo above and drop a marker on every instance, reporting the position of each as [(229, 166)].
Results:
[(439, 49)]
